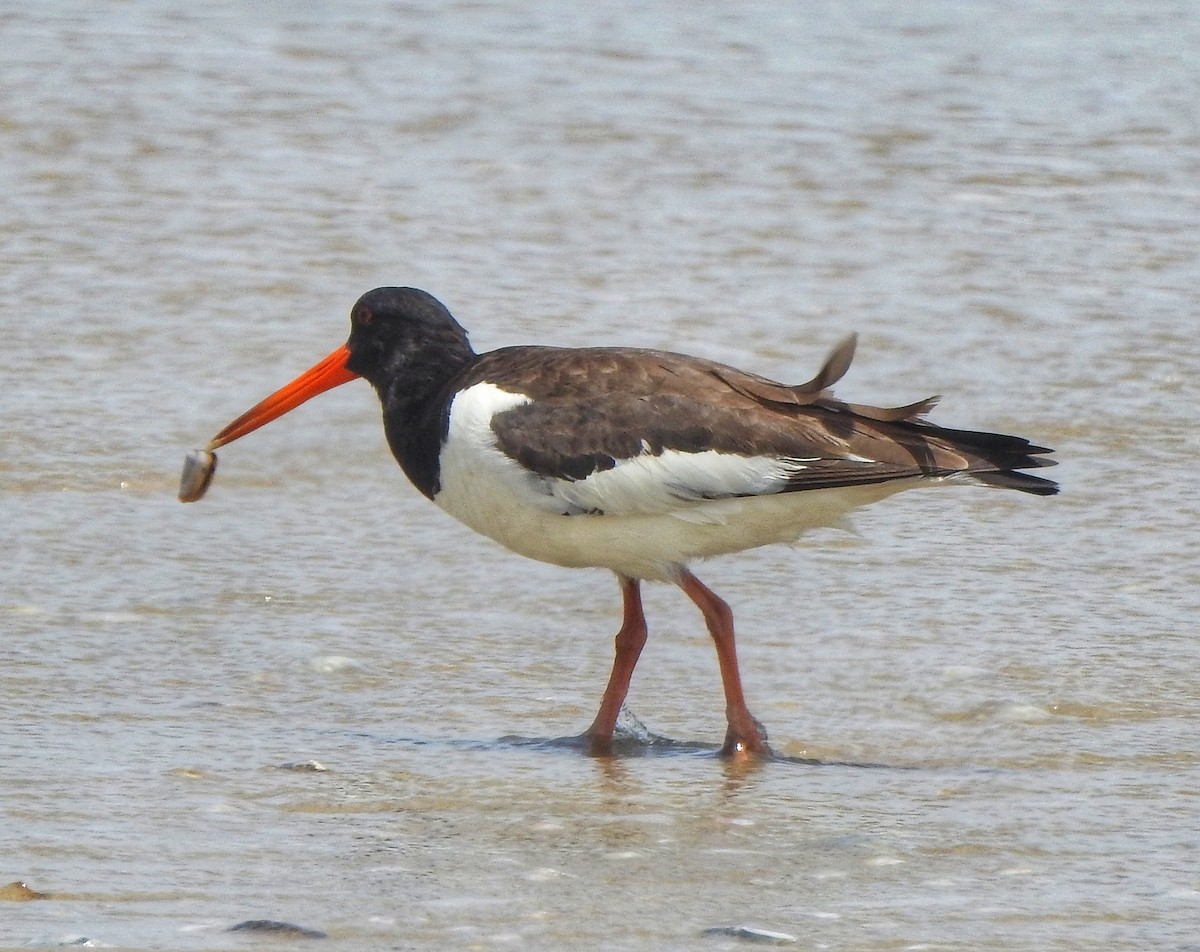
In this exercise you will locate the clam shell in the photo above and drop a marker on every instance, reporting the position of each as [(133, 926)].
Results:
[(198, 469)]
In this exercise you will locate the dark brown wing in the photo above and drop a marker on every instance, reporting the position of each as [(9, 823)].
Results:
[(592, 410)]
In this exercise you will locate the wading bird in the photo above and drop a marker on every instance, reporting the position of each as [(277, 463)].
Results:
[(639, 461)]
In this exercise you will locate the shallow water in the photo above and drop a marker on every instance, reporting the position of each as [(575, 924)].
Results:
[(1000, 691)]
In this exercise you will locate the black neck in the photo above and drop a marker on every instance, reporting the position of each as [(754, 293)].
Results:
[(416, 414)]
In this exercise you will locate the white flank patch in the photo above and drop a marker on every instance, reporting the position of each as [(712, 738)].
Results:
[(674, 480)]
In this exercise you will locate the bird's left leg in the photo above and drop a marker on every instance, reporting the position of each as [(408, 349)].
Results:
[(745, 735)]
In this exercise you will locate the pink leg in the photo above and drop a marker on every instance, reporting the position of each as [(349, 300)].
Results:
[(629, 643), (745, 735)]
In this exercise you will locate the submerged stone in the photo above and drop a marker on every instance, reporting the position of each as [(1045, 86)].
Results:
[(751, 934), (20, 892), (276, 928)]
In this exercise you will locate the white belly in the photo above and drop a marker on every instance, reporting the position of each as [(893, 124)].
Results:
[(489, 492), (651, 546)]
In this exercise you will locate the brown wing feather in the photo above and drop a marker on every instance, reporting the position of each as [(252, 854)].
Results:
[(593, 407)]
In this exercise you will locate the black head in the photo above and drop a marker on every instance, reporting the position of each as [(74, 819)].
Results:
[(404, 333), (401, 340)]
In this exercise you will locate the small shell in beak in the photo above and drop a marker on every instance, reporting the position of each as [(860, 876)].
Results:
[(198, 469)]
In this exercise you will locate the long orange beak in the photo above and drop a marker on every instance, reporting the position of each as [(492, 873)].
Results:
[(329, 373)]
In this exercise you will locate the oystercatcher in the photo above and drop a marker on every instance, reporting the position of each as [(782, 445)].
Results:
[(639, 461)]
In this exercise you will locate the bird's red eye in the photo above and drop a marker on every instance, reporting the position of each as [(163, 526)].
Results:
[(364, 316)]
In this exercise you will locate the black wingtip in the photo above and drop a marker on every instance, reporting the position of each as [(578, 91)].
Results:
[(1023, 482)]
